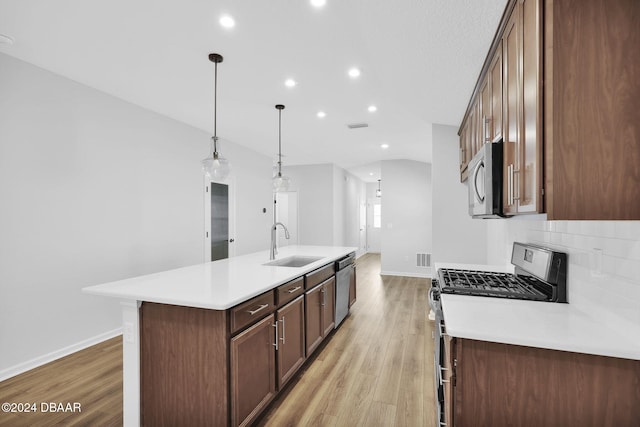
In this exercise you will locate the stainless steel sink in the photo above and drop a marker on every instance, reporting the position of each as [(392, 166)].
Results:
[(294, 261)]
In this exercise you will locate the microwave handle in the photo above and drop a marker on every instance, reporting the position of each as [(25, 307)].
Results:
[(475, 180)]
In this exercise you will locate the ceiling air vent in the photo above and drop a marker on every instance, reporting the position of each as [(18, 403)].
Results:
[(357, 125)]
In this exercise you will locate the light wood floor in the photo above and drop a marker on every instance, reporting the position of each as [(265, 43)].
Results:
[(376, 370), (91, 377)]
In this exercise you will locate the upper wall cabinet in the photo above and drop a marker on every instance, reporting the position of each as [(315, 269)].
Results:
[(564, 94)]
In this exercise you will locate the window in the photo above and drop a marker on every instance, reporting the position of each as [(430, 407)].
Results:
[(377, 215)]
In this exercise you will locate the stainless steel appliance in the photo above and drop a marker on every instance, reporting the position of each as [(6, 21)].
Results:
[(485, 182), (344, 272), (540, 275)]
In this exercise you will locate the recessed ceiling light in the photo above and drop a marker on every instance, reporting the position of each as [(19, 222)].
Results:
[(227, 21), (354, 72), (321, 114), (318, 3), (372, 108), (370, 173), (5, 39), (290, 83), (384, 146)]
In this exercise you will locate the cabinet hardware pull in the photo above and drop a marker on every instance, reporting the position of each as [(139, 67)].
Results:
[(282, 320), (294, 289), (275, 325), (443, 331), (510, 184), (442, 380), (324, 296), (262, 307), (485, 124)]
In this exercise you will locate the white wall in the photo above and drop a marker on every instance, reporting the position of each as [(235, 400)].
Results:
[(456, 236), (94, 189), (350, 196), (373, 234), (328, 204), (314, 184), (617, 283), (339, 206), (406, 216)]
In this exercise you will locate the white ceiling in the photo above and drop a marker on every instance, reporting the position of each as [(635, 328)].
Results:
[(419, 61)]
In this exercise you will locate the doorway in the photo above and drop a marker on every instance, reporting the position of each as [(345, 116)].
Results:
[(374, 224)]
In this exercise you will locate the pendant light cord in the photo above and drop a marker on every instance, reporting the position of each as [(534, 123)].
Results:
[(279, 142), (215, 111)]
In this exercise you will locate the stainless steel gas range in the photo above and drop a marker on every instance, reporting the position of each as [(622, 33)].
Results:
[(540, 275)]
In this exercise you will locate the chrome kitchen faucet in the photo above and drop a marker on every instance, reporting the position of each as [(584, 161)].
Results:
[(274, 249)]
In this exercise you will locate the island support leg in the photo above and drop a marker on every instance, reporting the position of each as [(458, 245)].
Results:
[(131, 363)]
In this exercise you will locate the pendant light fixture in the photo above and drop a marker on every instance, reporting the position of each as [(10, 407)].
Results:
[(378, 191), (215, 166), (280, 183)]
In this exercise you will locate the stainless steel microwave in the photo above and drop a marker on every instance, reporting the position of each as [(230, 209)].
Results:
[(485, 182)]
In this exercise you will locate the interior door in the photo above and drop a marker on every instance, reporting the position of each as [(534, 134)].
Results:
[(219, 221), (219, 203)]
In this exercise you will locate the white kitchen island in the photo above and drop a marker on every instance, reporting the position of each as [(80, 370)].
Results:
[(217, 285)]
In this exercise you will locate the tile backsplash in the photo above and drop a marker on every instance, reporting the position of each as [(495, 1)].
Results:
[(604, 259)]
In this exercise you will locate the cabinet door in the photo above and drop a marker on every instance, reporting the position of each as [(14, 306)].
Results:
[(511, 110), (465, 149), (329, 306), (530, 176), (485, 112), (291, 346), (352, 287), (448, 379), (495, 76), (253, 376), (313, 316)]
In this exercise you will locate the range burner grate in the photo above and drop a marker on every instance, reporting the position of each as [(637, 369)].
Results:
[(505, 285)]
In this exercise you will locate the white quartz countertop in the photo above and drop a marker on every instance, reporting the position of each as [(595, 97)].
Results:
[(220, 284), (538, 324)]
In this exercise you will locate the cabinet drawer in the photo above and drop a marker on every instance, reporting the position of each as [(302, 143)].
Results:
[(289, 291), (318, 276), (251, 311)]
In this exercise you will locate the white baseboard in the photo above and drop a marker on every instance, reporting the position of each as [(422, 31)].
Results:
[(23, 367), (405, 274)]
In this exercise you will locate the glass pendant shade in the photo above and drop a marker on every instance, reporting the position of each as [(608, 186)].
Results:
[(280, 183), (215, 166)]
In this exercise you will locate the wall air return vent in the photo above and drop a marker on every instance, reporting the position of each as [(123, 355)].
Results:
[(357, 125), (423, 260)]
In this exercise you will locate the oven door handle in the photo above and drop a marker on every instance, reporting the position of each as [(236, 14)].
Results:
[(432, 303)]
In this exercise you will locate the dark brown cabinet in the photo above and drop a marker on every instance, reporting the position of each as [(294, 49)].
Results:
[(328, 306), (290, 353), (511, 102), (320, 313), (496, 384), (352, 288), (522, 172), (253, 371), (570, 108), (201, 367), (495, 81)]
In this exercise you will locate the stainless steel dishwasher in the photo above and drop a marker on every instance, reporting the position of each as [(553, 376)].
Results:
[(344, 271)]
